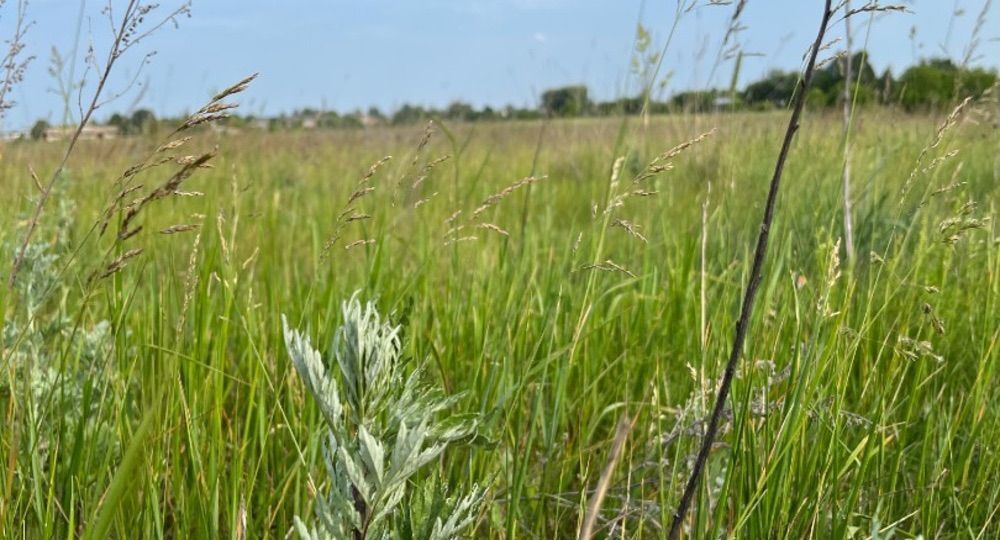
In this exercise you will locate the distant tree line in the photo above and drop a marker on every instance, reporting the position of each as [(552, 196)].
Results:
[(930, 85)]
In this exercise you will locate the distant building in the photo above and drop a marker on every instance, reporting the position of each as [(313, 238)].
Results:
[(721, 102), (222, 129), (88, 133), (368, 120)]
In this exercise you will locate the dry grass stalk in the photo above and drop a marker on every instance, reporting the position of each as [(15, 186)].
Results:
[(661, 163), (494, 228), (703, 296), (330, 242), (166, 189), (410, 169), (357, 243), (357, 217), (426, 172), (461, 239), (234, 89), (13, 63), (936, 162), (425, 200), (872, 7), (188, 163), (616, 172), (608, 266), (216, 109), (936, 323), (35, 180), (134, 26), (495, 199), (220, 221), (190, 283), (617, 199), (943, 129), (848, 109), (452, 217), (360, 193), (174, 144), (374, 169), (426, 138), (631, 228), (174, 229), (489, 202), (250, 260), (349, 213), (119, 263), (604, 482)]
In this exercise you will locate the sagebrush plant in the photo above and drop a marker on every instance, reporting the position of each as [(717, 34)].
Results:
[(383, 427), (58, 359)]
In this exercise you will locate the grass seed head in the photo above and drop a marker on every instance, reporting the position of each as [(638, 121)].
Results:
[(495, 199), (118, 264)]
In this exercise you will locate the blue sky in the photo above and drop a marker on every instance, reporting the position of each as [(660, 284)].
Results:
[(344, 55)]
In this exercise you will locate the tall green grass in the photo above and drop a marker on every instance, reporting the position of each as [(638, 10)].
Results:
[(867, 396)]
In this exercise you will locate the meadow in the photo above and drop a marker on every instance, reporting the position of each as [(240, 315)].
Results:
[(583, 316)]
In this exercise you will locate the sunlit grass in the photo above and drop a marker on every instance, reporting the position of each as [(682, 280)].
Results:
[(866, 395)]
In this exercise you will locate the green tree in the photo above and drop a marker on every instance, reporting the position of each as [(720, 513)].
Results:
[(927, 85), (831, 80), (697, 100), (120, 122), (38, 130), (408, 114), (375, 113), (460, 110), (816, 98), (488, 114), (566, 101), (776, 88), (937, 83), (142, 121)]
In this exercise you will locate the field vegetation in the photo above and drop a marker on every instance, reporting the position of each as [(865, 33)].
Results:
[(867, 395), (503, 329)]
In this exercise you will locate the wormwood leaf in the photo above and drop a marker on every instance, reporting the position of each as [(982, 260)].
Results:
[(355, 473), (462, 515), (392, 500), (405, 454), (301, 528), (310, 366), (374, 410), (373, 453)]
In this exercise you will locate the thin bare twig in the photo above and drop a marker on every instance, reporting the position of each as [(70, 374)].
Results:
[(14, 64), (756, 274), (127, 34), (604, 482)]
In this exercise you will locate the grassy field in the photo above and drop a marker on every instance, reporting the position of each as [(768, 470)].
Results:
[(866, 402)]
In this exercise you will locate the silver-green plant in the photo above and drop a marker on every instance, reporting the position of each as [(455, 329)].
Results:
[(55, 357), (383, 428)]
